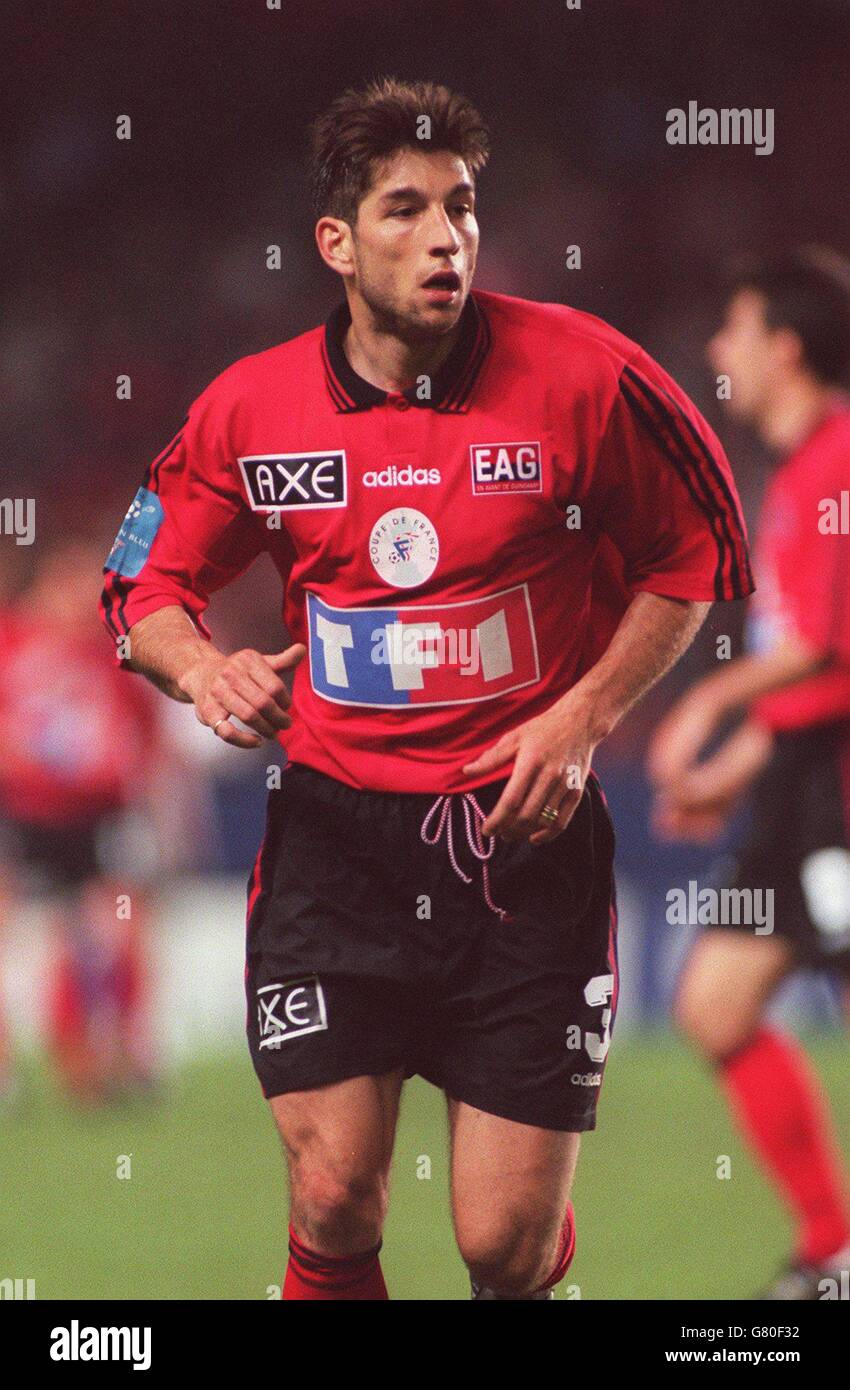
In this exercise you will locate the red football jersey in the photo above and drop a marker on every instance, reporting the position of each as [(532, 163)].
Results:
[(76, 743), (437, 547), (803, 565)]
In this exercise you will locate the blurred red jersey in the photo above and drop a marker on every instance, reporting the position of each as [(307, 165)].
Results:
[(454, 556), (803, 568), (75, 738)]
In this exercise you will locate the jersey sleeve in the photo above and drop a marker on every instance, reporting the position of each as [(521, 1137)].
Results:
[(188, 531), (814, 572), (662, 491)]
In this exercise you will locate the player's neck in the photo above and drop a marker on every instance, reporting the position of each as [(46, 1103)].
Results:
[(796, 409), (384, 359)]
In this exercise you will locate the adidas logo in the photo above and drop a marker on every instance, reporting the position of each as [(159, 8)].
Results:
[(401, 477)]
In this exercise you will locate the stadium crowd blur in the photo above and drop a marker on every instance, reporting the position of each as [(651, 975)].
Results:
[(147, 258)]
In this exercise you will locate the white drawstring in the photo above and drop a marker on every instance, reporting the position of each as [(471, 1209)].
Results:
[(474, 819)]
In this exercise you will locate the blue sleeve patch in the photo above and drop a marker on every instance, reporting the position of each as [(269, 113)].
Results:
[(137, 534)]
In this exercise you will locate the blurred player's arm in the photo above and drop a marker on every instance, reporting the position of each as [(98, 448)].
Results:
[(674, 753)]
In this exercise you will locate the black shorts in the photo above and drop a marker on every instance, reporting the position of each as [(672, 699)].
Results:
[(367, 952), (51, 858), (798, 845)]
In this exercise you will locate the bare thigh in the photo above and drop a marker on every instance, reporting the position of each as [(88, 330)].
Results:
[(339, 1142), (728, 981)]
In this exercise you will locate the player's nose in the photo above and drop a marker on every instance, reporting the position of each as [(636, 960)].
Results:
[(442, 233)]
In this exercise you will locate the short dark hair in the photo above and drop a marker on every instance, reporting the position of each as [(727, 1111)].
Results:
[(366, 125), (808, 291)]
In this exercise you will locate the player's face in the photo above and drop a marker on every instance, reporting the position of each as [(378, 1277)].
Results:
[(415, 242), (745, 349), (68, 582)]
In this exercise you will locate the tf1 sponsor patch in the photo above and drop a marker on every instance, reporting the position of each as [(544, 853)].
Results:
[(506, 468), (291, 482), (423, 654)]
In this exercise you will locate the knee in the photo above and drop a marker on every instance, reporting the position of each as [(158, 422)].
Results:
[(338, 1209), (711, 1024), (512, 1261)]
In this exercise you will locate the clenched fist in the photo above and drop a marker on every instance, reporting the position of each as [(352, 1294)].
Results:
[(246, 685)]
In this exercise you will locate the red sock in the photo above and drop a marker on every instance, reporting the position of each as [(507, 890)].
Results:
[(566, 1250), (311, 1277), (781, 1108)]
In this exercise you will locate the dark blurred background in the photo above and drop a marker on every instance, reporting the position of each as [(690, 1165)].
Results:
[(147, 257)]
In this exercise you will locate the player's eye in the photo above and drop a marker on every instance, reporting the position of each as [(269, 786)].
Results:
[(463, 209), (402, 212)]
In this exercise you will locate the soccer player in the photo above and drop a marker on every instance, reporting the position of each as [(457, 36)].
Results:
[(76, 759), (435, 473), (785, 346)]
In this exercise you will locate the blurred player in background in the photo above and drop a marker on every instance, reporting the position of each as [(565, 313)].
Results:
[(79, 750), (785, 345), (11, 560)]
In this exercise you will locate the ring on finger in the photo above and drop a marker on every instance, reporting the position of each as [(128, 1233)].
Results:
[(549, 814)]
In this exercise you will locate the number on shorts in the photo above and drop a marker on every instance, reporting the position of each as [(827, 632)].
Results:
[(597, 992)]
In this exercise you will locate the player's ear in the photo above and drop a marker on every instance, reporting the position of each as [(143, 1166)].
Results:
[(335, 243), (788, 347)]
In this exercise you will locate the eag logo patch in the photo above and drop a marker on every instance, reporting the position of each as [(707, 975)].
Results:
[(132, 545), (290, 1010), (290, 482), (505, 468)]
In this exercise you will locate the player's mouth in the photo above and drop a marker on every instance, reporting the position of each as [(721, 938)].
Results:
[(442, 287)]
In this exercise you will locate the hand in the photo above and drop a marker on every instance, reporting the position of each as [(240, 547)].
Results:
[(699, 804), (698, 821), (680, 737), (552, 754), (246, 685)]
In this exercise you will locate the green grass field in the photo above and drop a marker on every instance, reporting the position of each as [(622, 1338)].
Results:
[(203, 1214)]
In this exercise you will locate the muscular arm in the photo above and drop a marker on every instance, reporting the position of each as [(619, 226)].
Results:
[(653, 633), (166, 647), (552, 752)]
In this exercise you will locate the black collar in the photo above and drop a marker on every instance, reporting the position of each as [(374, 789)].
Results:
[(451, 387)]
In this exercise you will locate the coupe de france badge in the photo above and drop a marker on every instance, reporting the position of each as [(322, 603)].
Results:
[(404, 547), (138, 531)]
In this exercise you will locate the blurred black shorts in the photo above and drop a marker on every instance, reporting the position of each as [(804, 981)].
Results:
[(51, 858), (798, 845), (367, 952)]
